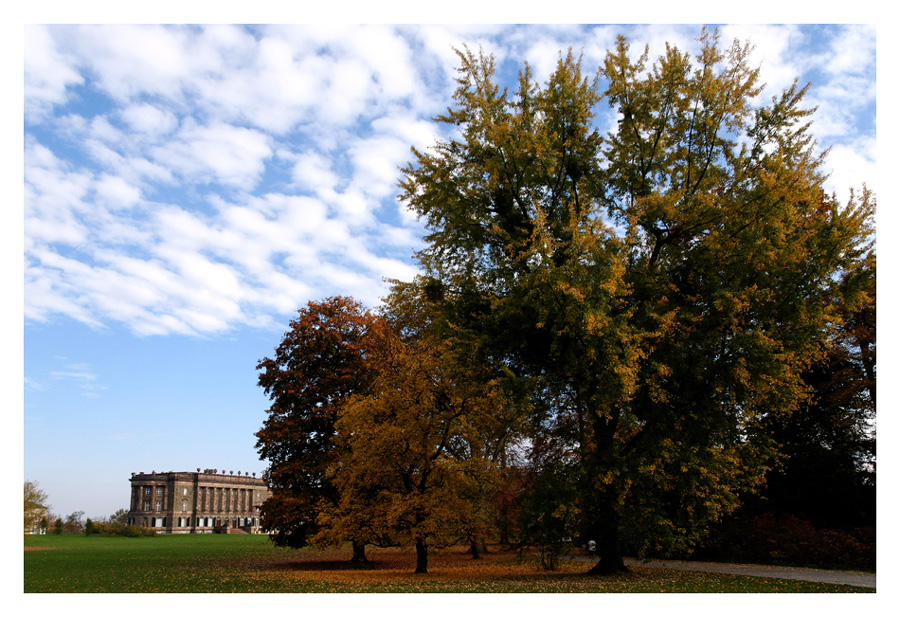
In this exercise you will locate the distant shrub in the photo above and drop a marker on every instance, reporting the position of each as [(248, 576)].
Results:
[(133, 531)]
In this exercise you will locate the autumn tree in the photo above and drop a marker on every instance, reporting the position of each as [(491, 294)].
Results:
[(419, 450), (661, 289), (73, 522), (322, 360), (36, 507), (119, 517)]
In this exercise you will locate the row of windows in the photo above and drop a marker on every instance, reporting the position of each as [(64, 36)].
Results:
[(202, 521), (209, 521)]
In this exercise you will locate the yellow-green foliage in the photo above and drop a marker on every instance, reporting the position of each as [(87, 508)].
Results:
[(661, 287)]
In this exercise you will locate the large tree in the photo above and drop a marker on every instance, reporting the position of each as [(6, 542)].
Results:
[(323, 359), (661, 289)]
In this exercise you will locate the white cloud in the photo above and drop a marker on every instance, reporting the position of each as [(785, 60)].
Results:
[(199, 178), (149, 119), (131, 60), (376, 163), (852, 51), (48, 294), (850, 167), (233, 156), (773, 53), (47, 72), (116, 192), (313, 172), (53, 198)]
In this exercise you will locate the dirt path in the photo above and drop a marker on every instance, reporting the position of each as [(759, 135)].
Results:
[(837, 577)]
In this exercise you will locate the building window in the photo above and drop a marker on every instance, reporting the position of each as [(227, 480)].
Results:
[(147, 490), (184, 491), (146, 506), (159, 506), (159, 491), (184, 506)]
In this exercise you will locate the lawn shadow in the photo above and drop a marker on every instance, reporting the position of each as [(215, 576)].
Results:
[(314, 566)]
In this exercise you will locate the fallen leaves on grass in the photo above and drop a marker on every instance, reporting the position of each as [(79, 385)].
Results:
[(450, 570)]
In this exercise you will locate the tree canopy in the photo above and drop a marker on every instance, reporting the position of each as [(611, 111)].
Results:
[(322, 360), (422, 448), (663, 286)]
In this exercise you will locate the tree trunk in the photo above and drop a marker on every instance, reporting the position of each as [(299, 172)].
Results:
[(608, 548), (421, 556), (359, 559), (606, 519), (473, 548)]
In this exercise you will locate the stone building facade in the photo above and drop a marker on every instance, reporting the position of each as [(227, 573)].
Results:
[(207, 501)]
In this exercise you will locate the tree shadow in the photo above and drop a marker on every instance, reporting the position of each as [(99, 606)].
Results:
[(316, 566)]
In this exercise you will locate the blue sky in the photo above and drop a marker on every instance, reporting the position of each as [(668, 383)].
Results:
[(187, 189)]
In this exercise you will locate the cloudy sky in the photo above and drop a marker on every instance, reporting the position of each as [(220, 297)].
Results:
[(187, 189)]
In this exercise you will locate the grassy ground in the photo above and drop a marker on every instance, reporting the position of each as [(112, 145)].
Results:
[(241, 563)]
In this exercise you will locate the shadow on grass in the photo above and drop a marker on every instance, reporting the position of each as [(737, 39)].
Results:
[(314, 566)]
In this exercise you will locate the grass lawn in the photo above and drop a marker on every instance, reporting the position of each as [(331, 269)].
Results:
[(243, 563)]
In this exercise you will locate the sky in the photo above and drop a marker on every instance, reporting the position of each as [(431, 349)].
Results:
[(187, 189)]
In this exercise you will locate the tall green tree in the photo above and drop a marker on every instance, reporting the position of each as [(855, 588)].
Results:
[(321, 361), (661, 289)]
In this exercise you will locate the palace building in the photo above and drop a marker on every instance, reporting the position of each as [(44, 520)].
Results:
[(207, 501)]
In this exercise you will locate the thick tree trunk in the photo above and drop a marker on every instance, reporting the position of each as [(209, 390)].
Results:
[(473, 548), (421, 556), (606, 519), (608, 546), (359, 559), (476, 548)]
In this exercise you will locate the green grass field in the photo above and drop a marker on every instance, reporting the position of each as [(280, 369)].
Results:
[(242, 563)]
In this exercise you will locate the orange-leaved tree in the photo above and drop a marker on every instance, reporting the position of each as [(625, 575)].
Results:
[(420, 450)]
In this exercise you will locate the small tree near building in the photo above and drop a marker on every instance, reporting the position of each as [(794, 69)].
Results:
[(36, 507)]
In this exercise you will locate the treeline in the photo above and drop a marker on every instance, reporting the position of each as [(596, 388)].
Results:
[(619, 338), (116, 525), (40, 520)]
